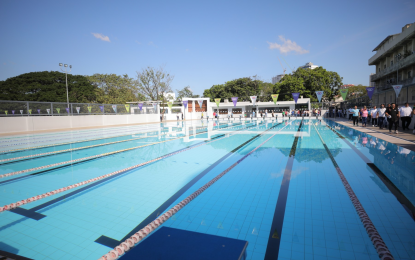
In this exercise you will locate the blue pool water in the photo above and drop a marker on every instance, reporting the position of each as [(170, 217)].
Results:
[(317, 219)]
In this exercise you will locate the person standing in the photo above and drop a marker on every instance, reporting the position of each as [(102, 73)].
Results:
[(364, 116), (381, 116), (392, 114), (182, 116), (405, 112), (374, 114), (177, 116), (355, 117)]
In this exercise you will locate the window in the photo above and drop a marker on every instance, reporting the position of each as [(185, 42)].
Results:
[(379, 69), (409, 74), (236, 110), (391, 63), (384, 66), (413, 94), (223, 111)]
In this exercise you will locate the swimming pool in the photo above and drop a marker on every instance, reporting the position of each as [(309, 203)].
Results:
[(286, 187)]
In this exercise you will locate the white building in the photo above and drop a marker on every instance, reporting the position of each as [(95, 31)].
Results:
[(277, 78), (193, 110), (309, 65)]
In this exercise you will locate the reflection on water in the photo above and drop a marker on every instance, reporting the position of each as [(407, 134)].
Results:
[(397, 163)]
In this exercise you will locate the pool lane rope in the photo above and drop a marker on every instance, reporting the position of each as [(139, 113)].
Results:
[(80, 141), (135, 131), (59, 134), (141, 234), (89, 157), (379, 244), (47, 194)]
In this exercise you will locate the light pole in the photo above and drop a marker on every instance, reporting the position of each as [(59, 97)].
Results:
[(66, 74)]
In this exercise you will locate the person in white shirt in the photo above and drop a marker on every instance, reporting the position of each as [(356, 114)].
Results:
[(381, 116), (406, 112), (374, 113)]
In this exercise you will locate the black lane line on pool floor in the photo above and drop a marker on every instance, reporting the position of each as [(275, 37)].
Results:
[(80, 162), (10, 256), (31, 213), (406, 203), (112, 243), (274, 239)]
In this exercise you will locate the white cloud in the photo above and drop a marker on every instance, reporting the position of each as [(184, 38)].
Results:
[(138, 42), (287, 46), (101, 37)]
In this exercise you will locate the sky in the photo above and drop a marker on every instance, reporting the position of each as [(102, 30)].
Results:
[(201, 43)]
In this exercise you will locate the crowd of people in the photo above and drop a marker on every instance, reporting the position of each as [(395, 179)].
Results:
[(383, 117)]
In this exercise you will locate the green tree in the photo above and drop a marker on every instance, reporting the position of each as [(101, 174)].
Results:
[(356, 91), (289, 84), (185, 92), (115, 89), (47, 86)]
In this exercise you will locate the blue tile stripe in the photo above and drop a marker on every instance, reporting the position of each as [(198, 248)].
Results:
[(112, 243), (374, 235), (140, 235), (274, 238)]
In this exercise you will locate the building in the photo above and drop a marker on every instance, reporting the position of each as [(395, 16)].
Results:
[(371, 84), (309, 65), (277, 78), (395, 65)]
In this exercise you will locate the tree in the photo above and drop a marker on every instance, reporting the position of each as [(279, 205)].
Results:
[(356, 91), (242, 88), (185, 92), (154, 84), (47, 86), (289, 84), (115, 89), (318, 79)]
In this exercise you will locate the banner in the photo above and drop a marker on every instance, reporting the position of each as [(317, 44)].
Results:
[(140, 106), (127, 107), (48, 110), (274, 98), (78, 109), (234, 100), (295, 96), (319, 95), (217, 101), (397, 89), (21, 112), (89, 109), (58, 109), (170, 104), (6, 112), (13, 112), (38, 111), (102, 108), (114, 107), (344, 92), (200, 101), (185, 104), (253, 99), (370, 91), (67, 110)]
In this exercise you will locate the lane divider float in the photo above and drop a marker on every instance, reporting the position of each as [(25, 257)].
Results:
[(379, 244), (47, 194), (141, 234), (88, 158)]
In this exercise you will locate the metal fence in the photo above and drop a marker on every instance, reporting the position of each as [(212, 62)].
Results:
[(32, 108)]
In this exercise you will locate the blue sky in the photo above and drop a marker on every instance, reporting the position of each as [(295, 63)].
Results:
[(201, 43)]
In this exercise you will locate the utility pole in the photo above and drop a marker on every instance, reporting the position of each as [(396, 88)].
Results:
[(66, 74)]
